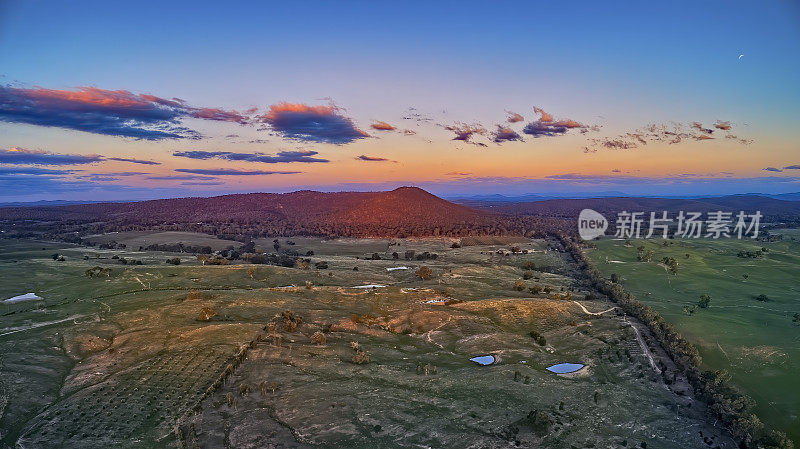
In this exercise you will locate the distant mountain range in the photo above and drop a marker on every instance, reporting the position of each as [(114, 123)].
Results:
[(403, 212), (772, 209)]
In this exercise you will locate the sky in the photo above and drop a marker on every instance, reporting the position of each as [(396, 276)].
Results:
[(121, 101)]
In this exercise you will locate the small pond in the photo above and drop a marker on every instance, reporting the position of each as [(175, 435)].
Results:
[(563, 368), (484, 359)]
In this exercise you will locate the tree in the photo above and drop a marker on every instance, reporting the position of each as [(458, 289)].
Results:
[(704, 301), (424, 273)]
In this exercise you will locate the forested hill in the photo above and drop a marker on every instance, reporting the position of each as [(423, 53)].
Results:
[(403, 212)]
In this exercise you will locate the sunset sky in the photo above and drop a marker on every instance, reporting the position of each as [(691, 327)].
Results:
[(119, 101)]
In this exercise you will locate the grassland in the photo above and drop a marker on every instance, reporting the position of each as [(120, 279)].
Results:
[(757, 342), (122, 359)]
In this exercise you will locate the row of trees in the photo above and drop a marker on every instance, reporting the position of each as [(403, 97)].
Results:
[(733, 408)]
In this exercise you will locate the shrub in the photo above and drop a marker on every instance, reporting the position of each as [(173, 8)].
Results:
[(762, 298), (536, 289), (174, 261), (318, 338), (527, 275), (704, 301), (519, 286), (538, 338), (424, 273), (206, 313)]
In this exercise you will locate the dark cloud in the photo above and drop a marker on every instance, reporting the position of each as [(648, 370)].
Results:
[(323, 124), (107, 112), (513, 117), (382, 126), (34, 171), (503, 134), (778, 170), (179, 177), (21, 156), (548, 126), (232, 172), (133, 161), (792, 167), (283, 156), (373, 159)]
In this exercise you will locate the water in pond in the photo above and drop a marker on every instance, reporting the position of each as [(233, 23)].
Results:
[(370, 286), (563, 368), (483, 359), (25, 297)]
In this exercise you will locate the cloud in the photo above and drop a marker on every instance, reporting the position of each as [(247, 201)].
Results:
[(464, 132), (548, 126), (21, 156), (312, 123), (778, 170), (133, 161), (34, 171), (179, 177), (673, 133), (283, 156), (725, 126), (458, 173), (202, 183), (503, 134), (792, 167), (373, 159), (699, 126), (513, 117), (382, 126), (106, 112), (232, 172)]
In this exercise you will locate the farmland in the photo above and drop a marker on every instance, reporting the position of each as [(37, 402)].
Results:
[(748, 328), (244, 355)]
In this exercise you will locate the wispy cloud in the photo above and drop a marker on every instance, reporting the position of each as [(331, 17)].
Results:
[(673, 133), (179, 177), (232, 172), (513, 117), (382, 126), (373, 159), (283, 156), (774, 169), (21, 156), (133, 161), (324, 124), (107, 112), (465, 131), (792, 167)]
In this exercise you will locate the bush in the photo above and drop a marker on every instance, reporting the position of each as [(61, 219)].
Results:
[(424, 273), (318, 338), (538, 338), (527, 275), (206, 313), (762, 298), (704, 301), (174, 261), (519, 286)]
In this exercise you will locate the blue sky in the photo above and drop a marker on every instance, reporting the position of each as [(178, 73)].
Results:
[(611, 67)]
